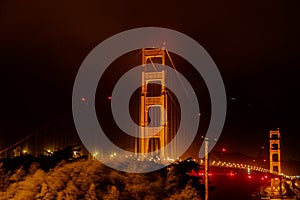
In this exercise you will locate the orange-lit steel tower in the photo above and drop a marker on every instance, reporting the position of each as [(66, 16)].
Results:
[(153, 142), (275, 157), (275, 166)]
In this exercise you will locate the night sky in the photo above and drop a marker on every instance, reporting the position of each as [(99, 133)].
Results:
[(255, 45)]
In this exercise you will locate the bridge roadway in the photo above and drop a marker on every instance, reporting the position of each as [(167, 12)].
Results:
[(237, 181)]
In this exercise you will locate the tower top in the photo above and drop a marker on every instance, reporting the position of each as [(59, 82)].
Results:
[(148, 54), (274, 134)]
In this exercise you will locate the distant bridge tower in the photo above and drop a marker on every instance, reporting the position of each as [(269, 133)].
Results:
[(275, 157), (17, 151), (153, 98)]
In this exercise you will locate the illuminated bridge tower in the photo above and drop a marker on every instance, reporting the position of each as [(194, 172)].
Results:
[(153, 98), (276, 186), (275, 157)]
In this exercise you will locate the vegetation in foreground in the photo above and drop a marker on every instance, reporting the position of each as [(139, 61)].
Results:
[(62, 177)]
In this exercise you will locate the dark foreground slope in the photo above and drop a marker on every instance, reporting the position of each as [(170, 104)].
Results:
[(88, 179)]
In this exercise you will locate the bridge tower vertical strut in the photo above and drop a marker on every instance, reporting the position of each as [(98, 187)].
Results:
[(275, 157), (153, 138)]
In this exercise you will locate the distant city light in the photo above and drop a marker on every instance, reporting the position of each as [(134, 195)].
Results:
[(223, 150), (94, 154), (231, 173), (249, 170)]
